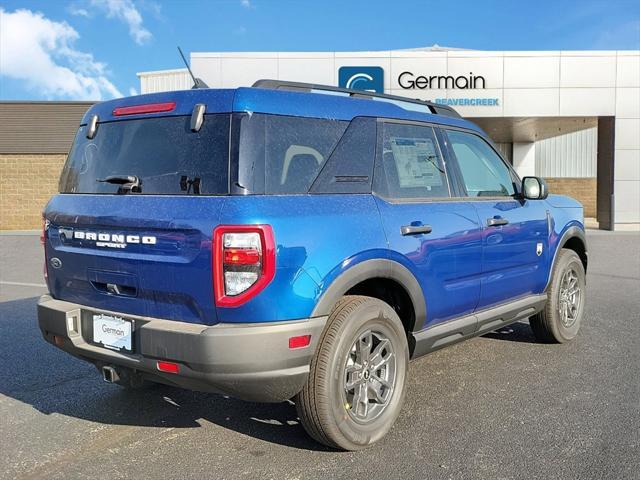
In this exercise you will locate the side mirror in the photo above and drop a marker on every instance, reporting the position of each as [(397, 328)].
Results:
[(534, 188)]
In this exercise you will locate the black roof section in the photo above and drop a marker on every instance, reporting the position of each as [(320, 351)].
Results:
[(312, 87)]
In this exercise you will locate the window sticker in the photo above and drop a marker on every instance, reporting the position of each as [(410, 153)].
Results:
[(416, 162)]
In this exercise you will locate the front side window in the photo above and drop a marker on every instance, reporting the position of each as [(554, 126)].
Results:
[(290, 151), (483, 172), (410, 165)]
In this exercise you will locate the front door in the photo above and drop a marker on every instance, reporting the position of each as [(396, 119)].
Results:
[(515, 231), (438, 238)]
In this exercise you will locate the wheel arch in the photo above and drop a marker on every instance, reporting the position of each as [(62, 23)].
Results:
[(368, 271), (574, 239)]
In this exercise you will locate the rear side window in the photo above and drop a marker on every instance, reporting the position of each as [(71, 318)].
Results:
[(290, 151), (483, 172), (409, 164), (349, 169), (162, 152)]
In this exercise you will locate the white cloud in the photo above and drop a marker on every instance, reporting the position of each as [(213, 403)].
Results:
[(77, 11), (246, 3), (151, 6), (133, 91), (41, 52), (127, 12)]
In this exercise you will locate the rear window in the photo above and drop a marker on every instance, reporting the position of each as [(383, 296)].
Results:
[(165, 155), (287, 152)]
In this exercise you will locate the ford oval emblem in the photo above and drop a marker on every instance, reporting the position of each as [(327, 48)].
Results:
[(55, 262)]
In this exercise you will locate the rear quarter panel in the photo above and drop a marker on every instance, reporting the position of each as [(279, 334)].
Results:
[(317, 237)]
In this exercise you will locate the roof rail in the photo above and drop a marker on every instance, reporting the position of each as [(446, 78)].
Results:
[(312, 87)]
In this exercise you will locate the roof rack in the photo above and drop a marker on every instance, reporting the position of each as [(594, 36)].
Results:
[(312, 87)]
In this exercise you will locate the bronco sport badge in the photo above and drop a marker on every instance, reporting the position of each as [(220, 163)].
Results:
[(112, 240)]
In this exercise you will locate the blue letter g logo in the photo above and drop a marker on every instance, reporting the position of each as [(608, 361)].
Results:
[(369, 79)]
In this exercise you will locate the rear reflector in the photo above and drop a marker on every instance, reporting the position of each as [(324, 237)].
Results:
[(299, 342), (168, 367), (147, 108)]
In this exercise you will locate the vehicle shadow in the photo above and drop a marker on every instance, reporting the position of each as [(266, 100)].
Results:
[(516, 332), (36, 373)]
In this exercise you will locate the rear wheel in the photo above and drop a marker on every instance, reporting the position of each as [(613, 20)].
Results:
[(560, 320), (356, 384)]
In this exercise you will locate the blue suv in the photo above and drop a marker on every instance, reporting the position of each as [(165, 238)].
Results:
[(297, 241)]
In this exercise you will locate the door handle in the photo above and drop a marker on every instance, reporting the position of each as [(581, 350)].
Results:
[(415, 229), (496, 222)]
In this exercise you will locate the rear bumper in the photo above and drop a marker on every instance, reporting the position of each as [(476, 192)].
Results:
[(248, 361)]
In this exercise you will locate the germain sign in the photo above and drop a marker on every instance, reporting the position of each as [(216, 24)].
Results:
[(468, 102), (369, 79), (408, 80)]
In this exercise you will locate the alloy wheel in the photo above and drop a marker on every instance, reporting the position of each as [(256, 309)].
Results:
[(369, 376)]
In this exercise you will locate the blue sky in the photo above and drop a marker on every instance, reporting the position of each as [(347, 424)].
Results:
[(92, 49)]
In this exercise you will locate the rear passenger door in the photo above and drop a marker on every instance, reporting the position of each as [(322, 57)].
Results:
[(515, 231), (437, 237)]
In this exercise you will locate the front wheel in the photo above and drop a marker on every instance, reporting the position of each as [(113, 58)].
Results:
[(356, 383), (560, 320)]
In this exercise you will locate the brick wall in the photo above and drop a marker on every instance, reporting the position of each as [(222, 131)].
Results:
[(26, 184), (583, 190)]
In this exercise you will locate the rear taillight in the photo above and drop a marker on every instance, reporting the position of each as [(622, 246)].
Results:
[(43, 242), (43, 233), (244, 262)]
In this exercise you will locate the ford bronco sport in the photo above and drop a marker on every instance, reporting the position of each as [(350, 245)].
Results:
[(297, 241)]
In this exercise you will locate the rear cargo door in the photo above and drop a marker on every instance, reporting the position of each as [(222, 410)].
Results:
[(131, 230)]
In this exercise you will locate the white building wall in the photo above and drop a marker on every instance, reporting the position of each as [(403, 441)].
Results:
[(627, 141), (524, 159), (165, 80), (526, 84), (573, 155)]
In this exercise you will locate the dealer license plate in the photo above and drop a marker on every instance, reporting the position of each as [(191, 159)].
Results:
[(112, 332)]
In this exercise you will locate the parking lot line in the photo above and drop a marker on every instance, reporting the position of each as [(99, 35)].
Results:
[(23, 284)]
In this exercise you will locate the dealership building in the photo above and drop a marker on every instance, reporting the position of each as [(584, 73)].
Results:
[(572, 117)]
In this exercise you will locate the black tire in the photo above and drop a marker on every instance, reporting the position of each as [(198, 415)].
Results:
[(548, 325), (322, 404)]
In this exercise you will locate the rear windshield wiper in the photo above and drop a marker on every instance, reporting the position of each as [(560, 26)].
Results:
[(128, 183)]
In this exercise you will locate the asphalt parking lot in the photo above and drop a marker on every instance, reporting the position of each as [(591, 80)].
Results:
[(499, 406)]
